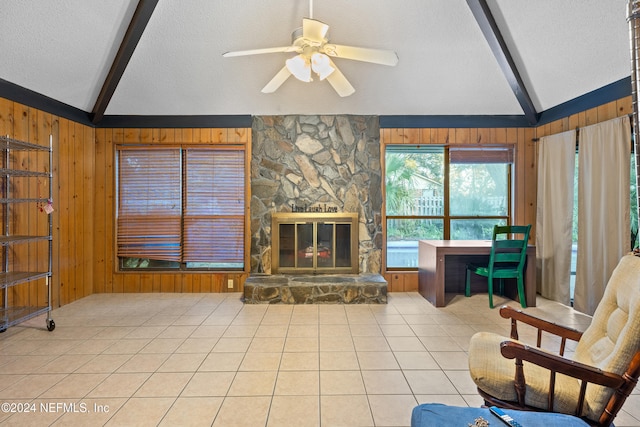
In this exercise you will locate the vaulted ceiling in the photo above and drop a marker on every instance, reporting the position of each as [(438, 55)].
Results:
[(105, 61)]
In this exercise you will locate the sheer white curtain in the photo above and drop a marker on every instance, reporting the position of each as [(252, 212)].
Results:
[(603, 207), (556, 164)]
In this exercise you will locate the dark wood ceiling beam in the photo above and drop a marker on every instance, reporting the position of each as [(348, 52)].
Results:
[(136, 28), (491, 32)]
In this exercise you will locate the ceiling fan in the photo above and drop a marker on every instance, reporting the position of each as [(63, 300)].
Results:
[(314, 53)]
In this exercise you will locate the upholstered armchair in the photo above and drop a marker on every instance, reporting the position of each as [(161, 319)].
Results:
[(593, 384)]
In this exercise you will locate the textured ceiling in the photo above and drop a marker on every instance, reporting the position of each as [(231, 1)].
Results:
[(64, 50)]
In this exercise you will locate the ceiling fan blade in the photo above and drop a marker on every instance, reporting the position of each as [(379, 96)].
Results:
[(260, 51), (277, 80), (376, 56), (340, 82), (313, 30)]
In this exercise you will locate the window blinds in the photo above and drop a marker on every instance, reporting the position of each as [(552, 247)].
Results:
[(149, 203), (477, 155), (214, 206), (182, 205)]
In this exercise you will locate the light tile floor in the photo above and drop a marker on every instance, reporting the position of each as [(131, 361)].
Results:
[(208, 359)]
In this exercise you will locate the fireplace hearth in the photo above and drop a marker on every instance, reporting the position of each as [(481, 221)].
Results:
[(366, 288)]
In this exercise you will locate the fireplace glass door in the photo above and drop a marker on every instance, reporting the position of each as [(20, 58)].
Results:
[(305, 250), (314, 244)]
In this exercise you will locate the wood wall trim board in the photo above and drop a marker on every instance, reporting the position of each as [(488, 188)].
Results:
[(32, 99), (608, 93)]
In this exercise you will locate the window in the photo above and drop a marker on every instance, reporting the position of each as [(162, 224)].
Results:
[(414, 187), (149, 210), (479, 189), (181, 207), (443, 193)]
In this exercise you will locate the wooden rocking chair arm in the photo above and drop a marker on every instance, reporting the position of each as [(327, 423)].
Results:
[(561, 365), (550, 327)]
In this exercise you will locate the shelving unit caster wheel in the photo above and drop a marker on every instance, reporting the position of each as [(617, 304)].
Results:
[(51, 325)]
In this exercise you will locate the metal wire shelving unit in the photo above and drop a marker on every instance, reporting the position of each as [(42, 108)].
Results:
[(18, 303)]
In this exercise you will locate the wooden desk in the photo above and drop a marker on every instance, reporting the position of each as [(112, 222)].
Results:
[(442, 269)]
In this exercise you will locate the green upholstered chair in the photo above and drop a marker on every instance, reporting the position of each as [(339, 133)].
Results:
[(593, 384), (506, 261)]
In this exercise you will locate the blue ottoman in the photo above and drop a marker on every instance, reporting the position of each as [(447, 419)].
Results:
[(439, 415)]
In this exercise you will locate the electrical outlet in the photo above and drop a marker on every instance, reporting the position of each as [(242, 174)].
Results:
[(230, 283)]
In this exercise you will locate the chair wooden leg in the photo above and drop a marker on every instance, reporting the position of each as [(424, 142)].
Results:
[(467, 286), (521, 295)]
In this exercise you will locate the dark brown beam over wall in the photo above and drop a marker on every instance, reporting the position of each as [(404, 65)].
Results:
[(130, 40), (491, 32)]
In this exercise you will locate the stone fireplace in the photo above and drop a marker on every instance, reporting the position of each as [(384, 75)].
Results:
[(311, 163), (303, 168)]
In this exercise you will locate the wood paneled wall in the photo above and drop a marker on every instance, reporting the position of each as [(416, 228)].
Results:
[(605, 112), (107, 278), (73, 200), (525, 180), (84, 189)]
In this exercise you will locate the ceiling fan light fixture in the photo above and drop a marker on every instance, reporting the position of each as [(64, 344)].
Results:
[(314, 54), (300, 68), (321, 65)]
